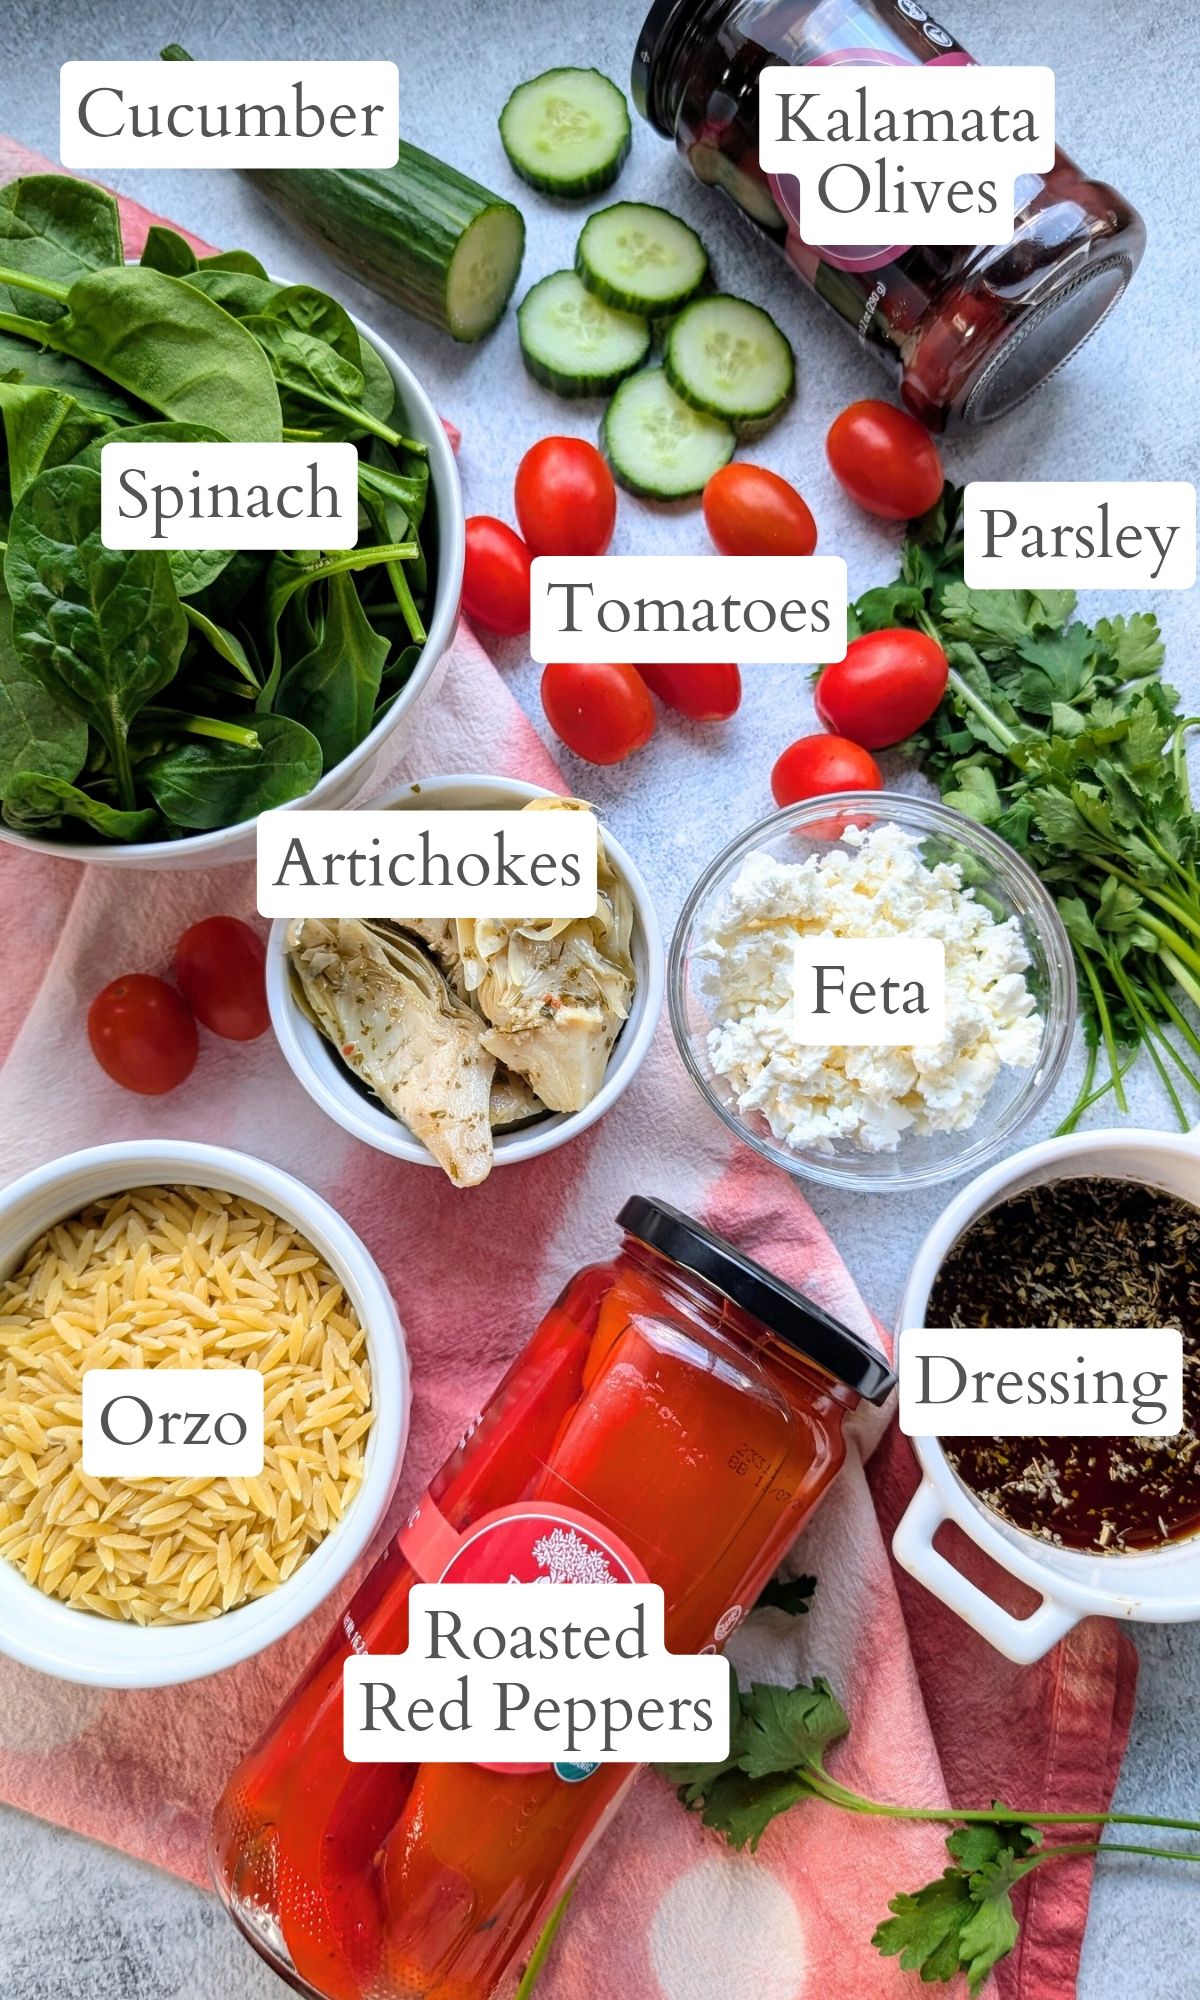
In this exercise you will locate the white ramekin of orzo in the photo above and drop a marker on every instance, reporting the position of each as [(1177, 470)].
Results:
[(168, 1254)]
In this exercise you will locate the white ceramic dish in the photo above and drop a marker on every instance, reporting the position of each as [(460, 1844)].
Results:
[(331, 1085), (1159, 1587), (349, 779), (80, 1646)]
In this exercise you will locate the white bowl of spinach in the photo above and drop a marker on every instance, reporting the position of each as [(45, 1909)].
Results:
[(153, 703)]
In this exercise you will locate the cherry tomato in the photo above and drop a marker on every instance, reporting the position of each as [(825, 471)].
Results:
[(221, 968), (817, 764), (749, 511), (496, 576), (703, 691), (143, 1034), (888, 685), (566, 500), (885, 459), (602, 713)]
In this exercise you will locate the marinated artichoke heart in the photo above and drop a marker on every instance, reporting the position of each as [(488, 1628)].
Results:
[(392, 1016), (555, 990), (513, 1102)]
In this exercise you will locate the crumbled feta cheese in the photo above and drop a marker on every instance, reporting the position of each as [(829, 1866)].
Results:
[(874, 886)]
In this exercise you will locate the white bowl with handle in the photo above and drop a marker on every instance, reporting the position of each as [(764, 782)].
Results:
[(79, 1645), (1155, 1586)]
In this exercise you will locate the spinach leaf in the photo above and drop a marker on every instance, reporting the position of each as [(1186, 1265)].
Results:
[(406, 491), (236, 291), (32, 804), (192, 569), (224, 598), (333, 690), (396, 673), (42, 367), (250, 294), (170, 346), (36, 732), (102, 628), (307, 369), (44, 427), (294, 570), (379, 390), (166, 250), (54, 227), (234, 260), (202, 783), (225, 644), (315, 313)]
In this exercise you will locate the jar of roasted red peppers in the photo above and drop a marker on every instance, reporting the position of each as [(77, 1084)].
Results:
[(675, 1418), (966, 332)]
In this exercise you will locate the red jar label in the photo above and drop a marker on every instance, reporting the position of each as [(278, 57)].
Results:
[(786, 189), (529, 1542)]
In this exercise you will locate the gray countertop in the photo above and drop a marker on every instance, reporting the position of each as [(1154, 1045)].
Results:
[(78, 1922)]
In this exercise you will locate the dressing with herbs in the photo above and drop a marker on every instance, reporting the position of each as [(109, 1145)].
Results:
[(1082, 1252)]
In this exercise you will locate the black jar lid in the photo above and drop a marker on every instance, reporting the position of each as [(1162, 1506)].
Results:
[(788, 1313), (659, 31)]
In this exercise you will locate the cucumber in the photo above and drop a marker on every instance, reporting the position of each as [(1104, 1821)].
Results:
[(640, 259), (729, 359), (567, 131), (575, 344), (419, 233), (657, 444)]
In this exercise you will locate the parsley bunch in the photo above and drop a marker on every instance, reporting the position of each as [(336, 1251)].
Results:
[(1062, 738), (963, 1921)]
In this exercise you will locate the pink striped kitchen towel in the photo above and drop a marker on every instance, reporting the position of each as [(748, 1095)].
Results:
[(664, 1910)]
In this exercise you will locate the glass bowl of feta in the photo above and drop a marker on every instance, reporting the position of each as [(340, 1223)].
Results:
[(937, 1071)]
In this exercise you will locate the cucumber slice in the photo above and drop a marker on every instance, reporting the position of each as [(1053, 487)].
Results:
[(657, 444), (640, 259), (567, 131), (728, 358), (575, 344)]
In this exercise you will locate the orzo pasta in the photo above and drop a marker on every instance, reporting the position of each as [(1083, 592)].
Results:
[(179, 1277)]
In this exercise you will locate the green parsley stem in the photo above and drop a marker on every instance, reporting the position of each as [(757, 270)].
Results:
[(1164, 1000), (541, 1948), (1180, 975), (1067, 1849), (825, 1787), (1188, 918), (1106, 1029), (1007, 738), (1171, 939)]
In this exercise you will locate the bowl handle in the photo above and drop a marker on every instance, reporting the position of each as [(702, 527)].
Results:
[(1022, 1639)]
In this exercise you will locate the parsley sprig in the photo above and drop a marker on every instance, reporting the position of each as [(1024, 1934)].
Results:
[(963, 1921), (1063, 738)]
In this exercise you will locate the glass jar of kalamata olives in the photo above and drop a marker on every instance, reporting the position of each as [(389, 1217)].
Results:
[(967, 332)]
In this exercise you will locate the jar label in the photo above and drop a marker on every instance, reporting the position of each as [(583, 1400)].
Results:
[(785, 188), (527, 1542)]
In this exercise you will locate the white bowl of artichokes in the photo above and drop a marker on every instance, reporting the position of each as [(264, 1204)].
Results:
[(525, 1078)]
